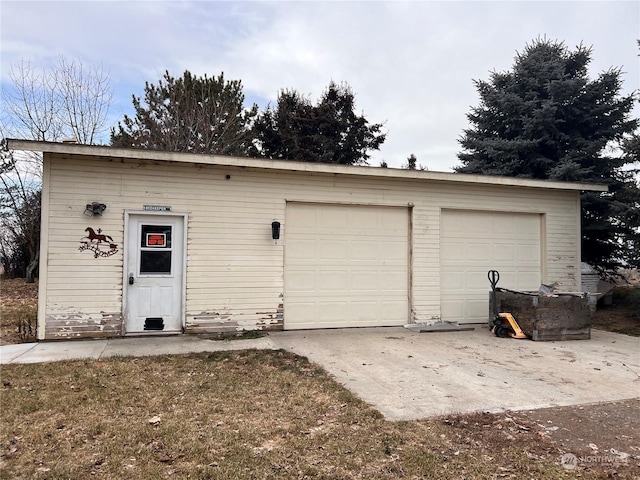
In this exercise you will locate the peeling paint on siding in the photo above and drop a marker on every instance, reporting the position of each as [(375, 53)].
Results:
[(221, 322), (80, 325), (211, 315)]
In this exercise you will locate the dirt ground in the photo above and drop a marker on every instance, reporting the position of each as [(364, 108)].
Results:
[(603, 435), (604, 438), (624, 315)]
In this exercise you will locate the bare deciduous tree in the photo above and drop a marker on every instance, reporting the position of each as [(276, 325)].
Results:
[(19, 218), (65, 101)]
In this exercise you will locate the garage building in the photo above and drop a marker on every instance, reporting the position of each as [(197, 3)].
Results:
[(149, 242)]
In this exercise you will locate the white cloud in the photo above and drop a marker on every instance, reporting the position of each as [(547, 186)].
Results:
[(411, 64)]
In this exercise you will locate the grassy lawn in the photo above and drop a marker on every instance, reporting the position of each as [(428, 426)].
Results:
[(243, 414)]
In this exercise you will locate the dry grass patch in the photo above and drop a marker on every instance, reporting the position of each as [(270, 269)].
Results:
[(18, 311), (244, 414)]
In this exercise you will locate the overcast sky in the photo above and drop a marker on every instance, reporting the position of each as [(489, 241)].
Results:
[(410, 64)]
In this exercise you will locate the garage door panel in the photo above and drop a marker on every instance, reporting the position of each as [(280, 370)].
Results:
[(389, 217), (334, 250), (301, 220), (476, 224), (331, 310), (363, 250), (529, 278), (365, 310), (351, 266), (453, 282), (478, 251), (302, 309), (393, 250), (504, 252), (393, 282), (504, 226), (477, 306), (452, 308), (450, 224), (471, 243), (300, 249), (363, 281), (330, 219), (450, 250), (302, 281), (529, 253), (476, 279), (330, 281), (527, 228), (506, 278), (366, 219), (393, 309)]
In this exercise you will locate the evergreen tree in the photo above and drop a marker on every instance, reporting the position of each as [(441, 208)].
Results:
[(329, 132), (412, 164), (546, 119), (629, 200), (189, 114)]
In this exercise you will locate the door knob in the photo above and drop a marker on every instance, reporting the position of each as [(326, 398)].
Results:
[(131, 279)]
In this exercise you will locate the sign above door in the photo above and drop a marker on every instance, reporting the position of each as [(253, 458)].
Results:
[(156, 208)]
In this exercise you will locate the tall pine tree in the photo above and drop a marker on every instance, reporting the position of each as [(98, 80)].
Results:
[(328, 132), (189, 114), (546, 119)]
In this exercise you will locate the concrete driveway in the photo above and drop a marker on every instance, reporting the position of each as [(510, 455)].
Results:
[(408, 375)]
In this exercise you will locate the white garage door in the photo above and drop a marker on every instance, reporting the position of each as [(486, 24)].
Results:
[(345, 266), (471, 243)]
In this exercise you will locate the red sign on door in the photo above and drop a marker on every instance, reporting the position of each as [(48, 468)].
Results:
[(156, 240)]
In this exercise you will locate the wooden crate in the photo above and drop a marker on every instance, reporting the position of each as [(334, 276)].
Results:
[(547, 317)]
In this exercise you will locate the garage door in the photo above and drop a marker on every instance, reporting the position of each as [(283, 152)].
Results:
[(471, 243), (345, 266)]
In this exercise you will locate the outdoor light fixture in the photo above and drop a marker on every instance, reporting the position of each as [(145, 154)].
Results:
[(94, 209), (275, 230)]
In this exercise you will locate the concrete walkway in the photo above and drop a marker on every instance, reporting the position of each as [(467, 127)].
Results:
[(408, 375), (130, 346)]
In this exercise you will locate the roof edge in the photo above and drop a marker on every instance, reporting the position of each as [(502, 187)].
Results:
[(289, 165)]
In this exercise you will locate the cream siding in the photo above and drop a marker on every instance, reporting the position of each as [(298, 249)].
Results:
[(234, 269), (44, 251)]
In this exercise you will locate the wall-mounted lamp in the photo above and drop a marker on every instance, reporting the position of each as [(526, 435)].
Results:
[(275, 230), (94, 209)]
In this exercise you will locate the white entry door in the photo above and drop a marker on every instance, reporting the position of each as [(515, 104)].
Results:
[(154, 273)]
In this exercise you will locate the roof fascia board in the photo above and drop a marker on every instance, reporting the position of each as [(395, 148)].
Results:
[(289, 165)]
